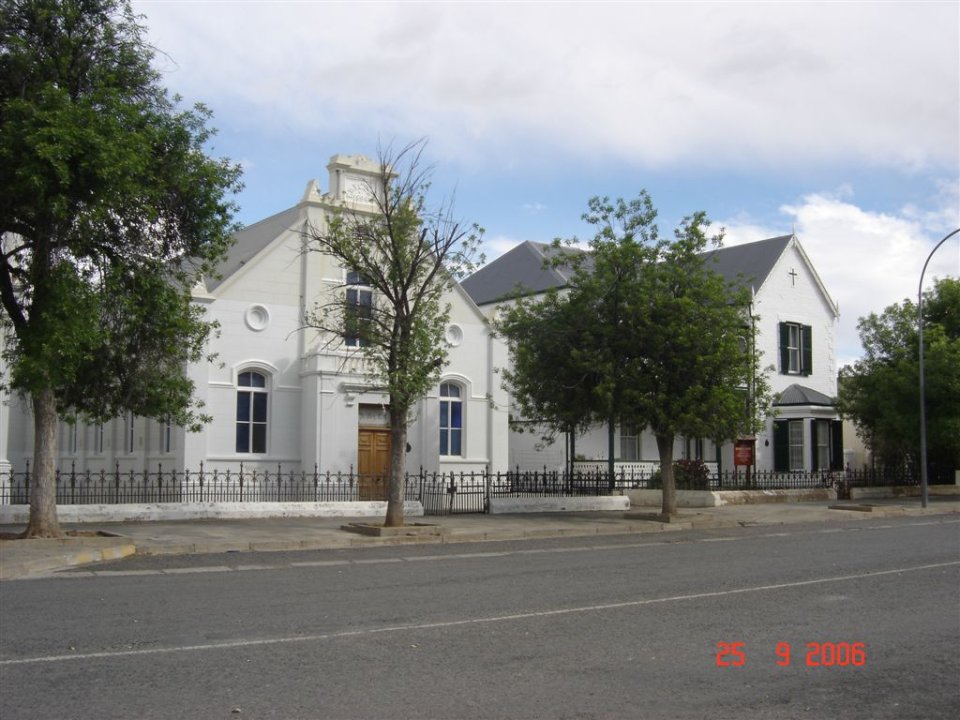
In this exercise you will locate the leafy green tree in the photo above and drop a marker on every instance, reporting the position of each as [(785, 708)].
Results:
[(668, 339), (881, 391), (570, 350), (695, 374), (605, 286), (552, 376), (110, 210), (409, 254)]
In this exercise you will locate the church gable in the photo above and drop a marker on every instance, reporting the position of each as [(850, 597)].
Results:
[(793, 281), (271, 272)]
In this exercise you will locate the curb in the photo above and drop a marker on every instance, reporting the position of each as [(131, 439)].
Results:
[(44, 560), (58, 561)]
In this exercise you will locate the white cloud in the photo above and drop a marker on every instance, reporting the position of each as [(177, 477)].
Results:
[(717, 84), (494, 247), (747, 89), (867, 260)]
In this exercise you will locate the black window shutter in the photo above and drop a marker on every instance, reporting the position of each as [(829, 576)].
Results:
[(806, 364), (814, 444), (836, 445), (784, 353), (781, 445)]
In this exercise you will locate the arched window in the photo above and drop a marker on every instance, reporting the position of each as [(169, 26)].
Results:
[(251, 412), (451, 420)]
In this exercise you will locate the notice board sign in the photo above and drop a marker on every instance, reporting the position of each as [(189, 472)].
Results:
[(743, 452)]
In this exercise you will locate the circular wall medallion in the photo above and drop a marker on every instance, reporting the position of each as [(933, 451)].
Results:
[(454, 335), (257, 317)]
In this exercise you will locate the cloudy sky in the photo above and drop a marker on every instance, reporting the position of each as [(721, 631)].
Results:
[(839, 120)]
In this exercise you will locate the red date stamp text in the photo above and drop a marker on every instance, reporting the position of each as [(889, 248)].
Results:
[(816, 654)]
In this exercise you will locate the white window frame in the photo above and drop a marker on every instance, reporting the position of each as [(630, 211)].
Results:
[(695, 448), (72, 440), (363, 294), (166, 436), (629, 443), (129, 433), (822, 441), (447, 403), (795, 439), (794, 341), (252, 392)]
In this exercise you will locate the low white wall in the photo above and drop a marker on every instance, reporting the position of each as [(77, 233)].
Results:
[(507, 505), (878, 493), (16, 514), (716, 498), (685, 498)]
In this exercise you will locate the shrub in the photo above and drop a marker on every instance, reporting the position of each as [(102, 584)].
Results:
[(691, 474), (687, 475)]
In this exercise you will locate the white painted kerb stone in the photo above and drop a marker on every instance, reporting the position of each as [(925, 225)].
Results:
[(503, 506), (716, 498), (13, 514)]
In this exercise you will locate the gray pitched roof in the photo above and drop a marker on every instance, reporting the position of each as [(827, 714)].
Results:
[(251, 240), (522, 267), (801, 395), (751, 262)]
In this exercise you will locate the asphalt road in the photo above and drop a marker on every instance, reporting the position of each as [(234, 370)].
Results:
[(866, 620)]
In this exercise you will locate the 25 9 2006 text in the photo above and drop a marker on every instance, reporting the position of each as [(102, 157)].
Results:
[(816, 654)]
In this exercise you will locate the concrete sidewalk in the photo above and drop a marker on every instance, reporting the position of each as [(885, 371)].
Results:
[(32, 558)]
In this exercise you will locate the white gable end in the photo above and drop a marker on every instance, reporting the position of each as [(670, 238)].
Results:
[(792, 293)]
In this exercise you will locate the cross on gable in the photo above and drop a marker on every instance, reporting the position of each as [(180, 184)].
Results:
[(793, 277)]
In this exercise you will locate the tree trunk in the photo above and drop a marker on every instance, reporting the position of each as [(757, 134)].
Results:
[(43, 484), (398, 449), (611, 460), (665, 448)]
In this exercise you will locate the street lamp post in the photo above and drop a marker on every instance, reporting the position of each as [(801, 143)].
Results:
[(923, 410)]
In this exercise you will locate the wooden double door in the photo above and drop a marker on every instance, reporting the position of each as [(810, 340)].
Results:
[(373, 463)]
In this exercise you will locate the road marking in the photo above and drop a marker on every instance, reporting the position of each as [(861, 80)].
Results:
[(470, 621), (415, 558), (202, 569)]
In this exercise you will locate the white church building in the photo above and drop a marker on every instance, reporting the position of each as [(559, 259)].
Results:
[(795, 338), (284, 397)]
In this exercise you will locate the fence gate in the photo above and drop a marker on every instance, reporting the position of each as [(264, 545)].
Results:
[(453, 494)]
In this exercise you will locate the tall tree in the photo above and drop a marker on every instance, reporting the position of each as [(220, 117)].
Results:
[(880, 392), (696, 374), (668, 339), (571, 349), (110, 210), (605, 285), (552, 376), (408, 253)]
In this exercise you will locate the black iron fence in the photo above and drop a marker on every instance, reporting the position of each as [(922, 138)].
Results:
[(171, 486), (440, 493), (639, 478)]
